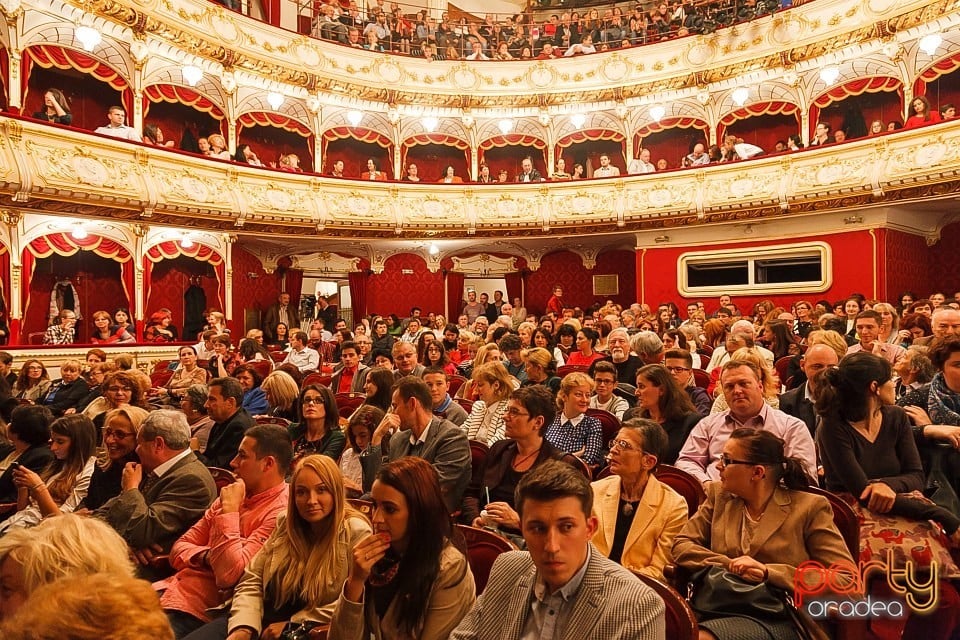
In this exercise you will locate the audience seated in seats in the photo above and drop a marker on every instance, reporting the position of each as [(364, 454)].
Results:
[(435, 355), (284, 312), (94, 374), (572, 431), (493, 385), (372, 173), (210, 558), (405, 361), (116, 127), (351, 375), (246, 155), (282, 394), (218, 147), (318, 429), (921, 113), (56, 107), (360, 427), (104, 333), (29, 432), (63, 332), (603, 599), (798, 402), (868, 330), (165, 493), (821, 135), (124, 609), (65, 394), (153, 136), (63, 484), (67, 546), (541, 369), (914, 372), (410, 578), (187, 374), (759, 524), (119, 437), (254, 397), (231, 421), (223, 361), (304, 358), (585, 355), (120, 388), (417, 432), (660, 399), (444, 407), (679, 362), (743, 328), (193, 404), (301, 568), (868, 450), (637, 516), (605, 378), (742, 388), (290, 163), (378, 387), (626, 363), (768, 379)]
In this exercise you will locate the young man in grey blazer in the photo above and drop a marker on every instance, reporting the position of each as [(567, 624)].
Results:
[(561, 587)]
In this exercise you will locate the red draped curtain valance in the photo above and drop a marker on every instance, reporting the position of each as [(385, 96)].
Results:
[(278, 120), (673, 122), (359, 134), (872, 84), (179, 95), (442, 139), (513, 140), (939, 68), (64, 244), (169, 250), (770, 107), (50, 56), (587, 135)]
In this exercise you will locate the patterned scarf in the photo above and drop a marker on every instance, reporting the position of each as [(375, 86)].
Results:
[(943, 405)]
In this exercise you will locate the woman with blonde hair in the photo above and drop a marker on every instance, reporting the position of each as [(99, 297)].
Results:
[(298, 574), (541, 368), (768, 379), (218, 147), (281, 392), (525, 330), (889, 322), (216, 321), (493, 384), (120, 427), (62, 486), (485, 353), (70, 545), (571, 430)]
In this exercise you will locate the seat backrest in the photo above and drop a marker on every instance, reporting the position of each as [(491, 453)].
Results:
[(478, 455), (263, 367), (705, 350), (582, 466), (781, 366), (347, 403), (162, 365), (701, 378), (222, 477), (844, 517), (483, 547), (318, 378), (455, 383), (283, 422), (363, 506), (684, 484), (467, 405), (278, 356), (571, 368), (680, 620), (608, 422), (35, 337), (160, 378)]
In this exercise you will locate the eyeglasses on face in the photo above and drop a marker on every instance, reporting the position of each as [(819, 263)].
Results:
[(119, 389), (514, 412), (726, 461), (119, 435), (605, 381), (312, 400), (678, 369), (623, 445)]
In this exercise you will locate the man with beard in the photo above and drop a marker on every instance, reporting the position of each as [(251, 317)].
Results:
[(618, 343)]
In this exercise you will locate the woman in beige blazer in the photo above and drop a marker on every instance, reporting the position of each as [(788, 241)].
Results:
[(758, 523), (638, 516)]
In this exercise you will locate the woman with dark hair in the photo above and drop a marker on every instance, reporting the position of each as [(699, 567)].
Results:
[(185, 376), (194, 407), (153, 136), (435, 355), (223, 361), (394, 327), (297, 574), (378, 387), (868, 450), (254, 398), (158, 328), (661, 399), (922, 113), (372, 173), (250, 350), (63, 484), (246, 155), (32, 382), (779, 339), (318, 430), (360, 427), (29, 433), (759, 524), (121, 320), (564, 342), (450, 176), (56, 108), (120, 388), (281, 338), (546, 323), (119, 437), (103, 334), (408, 579), (543, 339), (914, 325), (585, 355)]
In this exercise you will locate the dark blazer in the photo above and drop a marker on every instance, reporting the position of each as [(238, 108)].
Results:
[(795, 403), (67, 395), (534, 176), (700, 399), (611, 603), (35, 458), (271, 318), (225, 439), (163, 509), (446, 448)]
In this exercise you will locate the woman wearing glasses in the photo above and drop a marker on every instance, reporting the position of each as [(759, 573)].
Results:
[(637, 516), (759, 524), (120, 428), (529, 411), (32, 382), (119, 390), (318, 430)]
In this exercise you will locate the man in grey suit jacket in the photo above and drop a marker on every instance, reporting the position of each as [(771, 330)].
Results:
[(562, 582), (163, 495), (283, 310), (439, 442)]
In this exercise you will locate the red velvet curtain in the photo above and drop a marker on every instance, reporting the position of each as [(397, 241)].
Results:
[(514, 285), (358, 294), (455, 282), (294, 283)]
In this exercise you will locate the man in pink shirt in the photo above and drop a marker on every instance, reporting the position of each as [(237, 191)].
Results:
[(211, 556)]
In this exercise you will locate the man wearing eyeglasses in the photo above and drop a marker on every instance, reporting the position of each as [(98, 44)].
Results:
[(62, 333), (743, 391), (679, 363)]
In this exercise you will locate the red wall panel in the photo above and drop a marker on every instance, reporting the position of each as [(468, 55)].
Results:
[(170, 279), (432, 160), (944, 263), (853, 270), (566, 269), (269, 143), (250, 293), (89, 98), (395, 292), (908, 264), (765, 130)]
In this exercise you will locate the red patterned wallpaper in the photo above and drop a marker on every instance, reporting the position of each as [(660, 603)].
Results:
[(96, 279), (395, 292), (170, 280), (944, 262), (250, 293), (566, 269), (909, 264)]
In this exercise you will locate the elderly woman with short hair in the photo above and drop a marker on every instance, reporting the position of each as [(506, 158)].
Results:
[(193, 404)]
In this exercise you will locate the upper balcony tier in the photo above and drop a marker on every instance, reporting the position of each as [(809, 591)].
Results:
[(157, 37), (68, 172)]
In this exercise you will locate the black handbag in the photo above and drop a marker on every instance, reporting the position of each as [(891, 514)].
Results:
[(718, 592)]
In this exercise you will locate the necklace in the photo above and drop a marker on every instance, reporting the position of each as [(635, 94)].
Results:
[(517, 462), (627, 507)]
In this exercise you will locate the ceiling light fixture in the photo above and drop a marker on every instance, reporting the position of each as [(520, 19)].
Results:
[(657, 112), (88, 37), (505, 126), (830, 74), (275, 100), (434, 249), (930, 43), (354, 118), (186, 242), (578, 120), (740, 95), (192, 75), (78, 232), (430, 123)]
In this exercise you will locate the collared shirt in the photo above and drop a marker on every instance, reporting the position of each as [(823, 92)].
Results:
[(892, 353), (56, 334), (608, 171), (229, 541), (306, 359), (346, 379), (581, 436), (549, 613), (166, 466), (423, 436), (638, 166), (123, 132), (705, 443)]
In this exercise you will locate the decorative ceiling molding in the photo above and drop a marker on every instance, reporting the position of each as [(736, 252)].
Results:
[(325, 262), (484, 264)]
